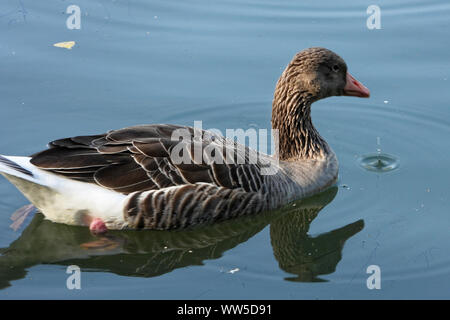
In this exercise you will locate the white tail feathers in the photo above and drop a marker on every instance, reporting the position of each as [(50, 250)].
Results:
[(19, 167), (61, 199)]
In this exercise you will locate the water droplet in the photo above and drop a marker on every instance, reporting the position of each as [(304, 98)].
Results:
[(379, 162)]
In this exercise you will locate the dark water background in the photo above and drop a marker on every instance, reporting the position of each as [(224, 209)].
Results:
[(165, 61)]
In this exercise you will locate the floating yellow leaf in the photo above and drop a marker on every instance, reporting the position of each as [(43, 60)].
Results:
[(67, 44)]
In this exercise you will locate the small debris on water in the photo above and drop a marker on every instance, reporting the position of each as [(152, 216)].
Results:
[(233, 270), (66, 44)]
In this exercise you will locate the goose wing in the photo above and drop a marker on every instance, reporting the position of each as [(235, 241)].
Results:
[(152, 157)]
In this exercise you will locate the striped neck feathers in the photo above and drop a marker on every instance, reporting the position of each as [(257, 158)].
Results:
[(291, 116)]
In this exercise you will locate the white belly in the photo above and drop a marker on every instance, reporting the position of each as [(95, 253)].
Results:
[(72, 202)]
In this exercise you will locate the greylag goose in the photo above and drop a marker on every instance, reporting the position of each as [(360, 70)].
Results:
[(128, 178)]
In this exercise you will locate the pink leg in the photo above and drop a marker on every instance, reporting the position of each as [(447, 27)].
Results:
[(97, 226), (104, 242)]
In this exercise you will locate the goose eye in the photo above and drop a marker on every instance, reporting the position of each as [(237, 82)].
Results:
[(335, 68)]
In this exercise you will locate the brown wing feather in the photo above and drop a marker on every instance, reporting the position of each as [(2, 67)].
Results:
[(139, 159)]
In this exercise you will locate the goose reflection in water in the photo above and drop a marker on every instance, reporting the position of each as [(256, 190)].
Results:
[(153, 253)]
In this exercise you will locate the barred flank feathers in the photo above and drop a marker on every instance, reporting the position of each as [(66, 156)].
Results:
[(189, 205)]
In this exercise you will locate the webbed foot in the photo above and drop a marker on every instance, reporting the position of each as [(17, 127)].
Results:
[(20, 215)]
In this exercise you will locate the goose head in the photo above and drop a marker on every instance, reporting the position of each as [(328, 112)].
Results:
[(313, 74), (318, 73)]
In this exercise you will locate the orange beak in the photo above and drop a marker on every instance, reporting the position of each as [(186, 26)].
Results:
[(355, 88)]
